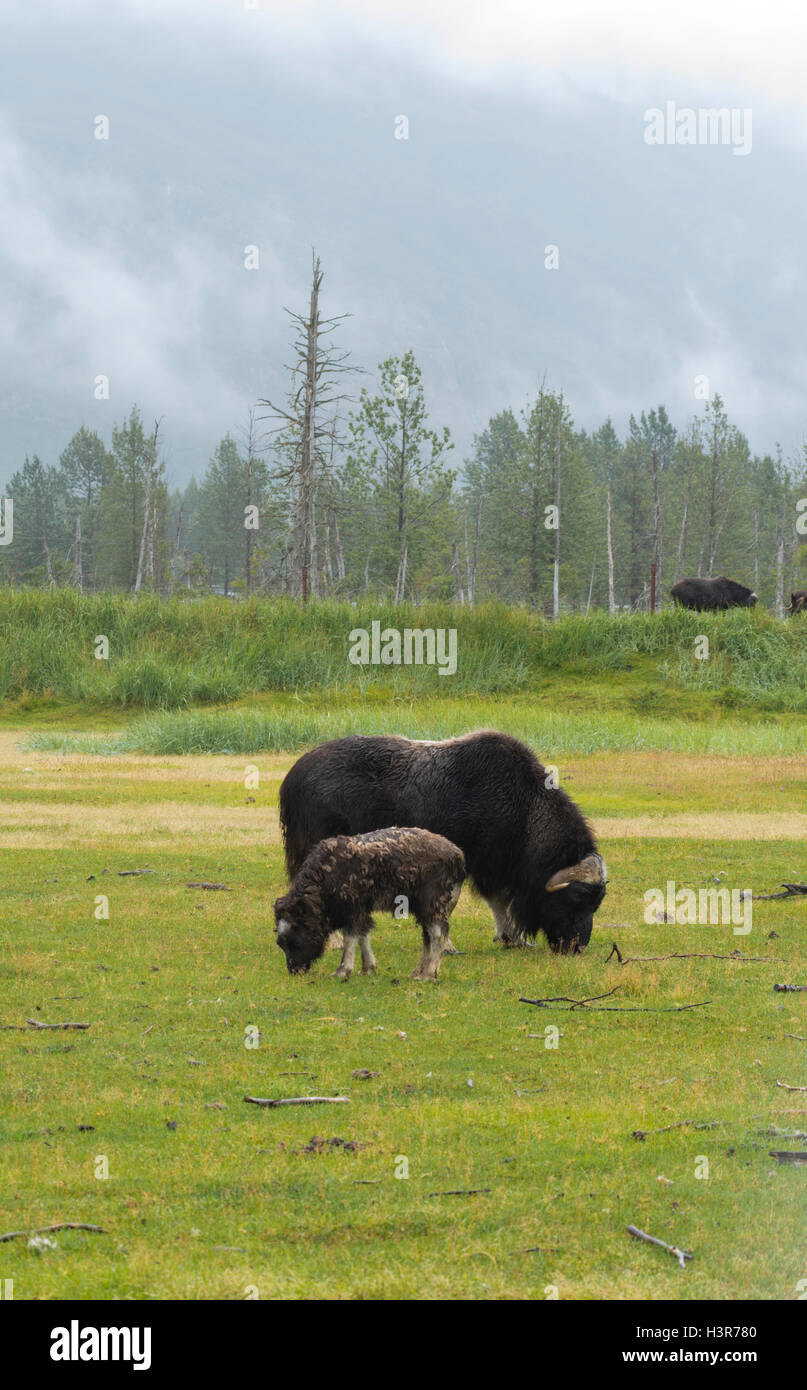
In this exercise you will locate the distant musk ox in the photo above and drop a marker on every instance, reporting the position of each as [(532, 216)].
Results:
[(346, 878), (712, 593), (528, 848), (798, 602)]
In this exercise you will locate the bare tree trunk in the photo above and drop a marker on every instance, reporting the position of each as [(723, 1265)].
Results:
[(556, 567), (48, 563), (756, 549), (78, 572), (175, 552), (611, 601), (455, 569), (248, 529), (682, 540), (472, 574), (590, 591), (780, 563), (340, 554), (144, 538), (656, 561), (400, 581)]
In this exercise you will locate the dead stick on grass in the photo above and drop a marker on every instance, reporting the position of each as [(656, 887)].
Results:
[(565, 999), (622, 1008), (299, 1100), (789, 989), (461, 1192), (681, 1255), (696, 1124), (791, 891), (59, 1226), (34, 1023), (682, 955), (785, 1087)]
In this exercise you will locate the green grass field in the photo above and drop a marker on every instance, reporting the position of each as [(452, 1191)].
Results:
[(209, 1197)]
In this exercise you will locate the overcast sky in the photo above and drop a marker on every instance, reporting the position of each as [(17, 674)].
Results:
[(274, 126)]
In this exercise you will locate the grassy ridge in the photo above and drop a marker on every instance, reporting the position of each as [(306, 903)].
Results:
[(169, 654)]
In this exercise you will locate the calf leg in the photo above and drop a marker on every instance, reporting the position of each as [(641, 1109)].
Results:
[(435, 934), (345, 967), (449, 949)]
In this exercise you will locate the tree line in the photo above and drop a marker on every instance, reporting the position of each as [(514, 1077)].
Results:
[(346, 490)]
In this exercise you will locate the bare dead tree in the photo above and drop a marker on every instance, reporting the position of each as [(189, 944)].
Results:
[(609, 544), (656, 561), (315, 376), (149, 517), (78, 571), (556, 565)]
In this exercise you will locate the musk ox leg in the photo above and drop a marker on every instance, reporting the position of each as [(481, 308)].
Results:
[(435, 934), (367, 957), (506, 930), (345, 967)]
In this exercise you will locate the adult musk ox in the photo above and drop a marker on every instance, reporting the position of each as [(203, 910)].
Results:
[(798, 602), (712, 593), (528, 849), (346, 878)]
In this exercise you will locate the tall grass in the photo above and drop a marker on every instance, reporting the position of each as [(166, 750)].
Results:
[(170, 653), (552, 733)]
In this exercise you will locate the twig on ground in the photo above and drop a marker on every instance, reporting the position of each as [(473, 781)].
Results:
[(566, 999), (790, 989), (221, 887), (59, 1226), (789, 1155), (461, 1192), (791, 891), (696, 1124), (299, 1100), (681, 1255), (133, 873), (785, 1087), (34, 1023), (682, 955)]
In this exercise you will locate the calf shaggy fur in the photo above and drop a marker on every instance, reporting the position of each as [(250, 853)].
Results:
[(346, 878)]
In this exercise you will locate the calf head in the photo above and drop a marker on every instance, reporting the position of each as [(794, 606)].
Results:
[(573, 896), (300, 937)]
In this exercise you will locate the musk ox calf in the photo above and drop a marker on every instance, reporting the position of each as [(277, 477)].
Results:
[(704, 594), (798, 602), (346, 878), (528, 849)]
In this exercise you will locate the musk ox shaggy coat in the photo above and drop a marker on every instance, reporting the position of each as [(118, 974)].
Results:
[(528, 849), (346, 878), (704, 594), (798, 602)]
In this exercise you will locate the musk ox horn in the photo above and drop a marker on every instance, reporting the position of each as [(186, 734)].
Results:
[(589, 870)]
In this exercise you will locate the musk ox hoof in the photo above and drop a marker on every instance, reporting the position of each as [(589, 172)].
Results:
[(449, 949), (368, 969), (424, 975), (342, 974), (512, 943)]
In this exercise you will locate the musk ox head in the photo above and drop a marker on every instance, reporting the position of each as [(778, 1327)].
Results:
[(301, 939), (572, 896), (798, 602)]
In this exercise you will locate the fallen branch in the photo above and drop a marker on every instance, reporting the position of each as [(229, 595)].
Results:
[(696, 1124), (790, 989), (461, 1192), (785, 1087), (620, 1008), (299, 1100), (682, 955), (221, 887), (566, 999), (791, 891), (681, 1255), (59, 1226), (798, 1037), (789, 1155), (133, 873), (34, 1023)]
